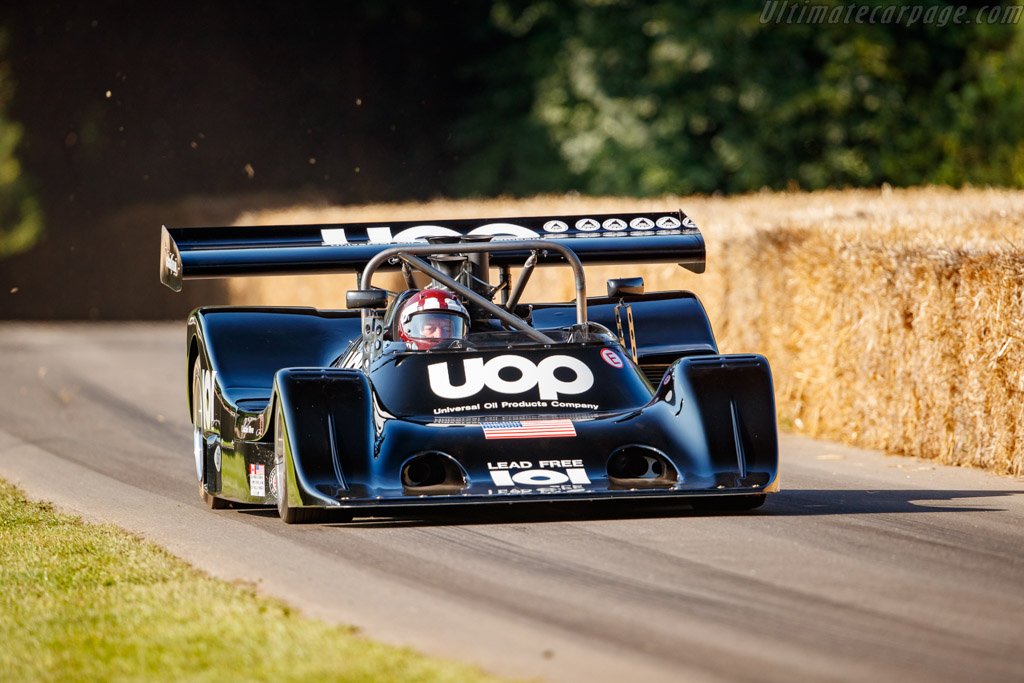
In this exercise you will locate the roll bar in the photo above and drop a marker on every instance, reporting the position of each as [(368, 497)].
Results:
[(408, 255)]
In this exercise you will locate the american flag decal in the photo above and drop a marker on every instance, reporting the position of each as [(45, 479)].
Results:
[(528, 429)]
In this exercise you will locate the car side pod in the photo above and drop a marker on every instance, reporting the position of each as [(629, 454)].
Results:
[(727, 405)]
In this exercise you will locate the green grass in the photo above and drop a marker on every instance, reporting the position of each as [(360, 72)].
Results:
[(87, 602)]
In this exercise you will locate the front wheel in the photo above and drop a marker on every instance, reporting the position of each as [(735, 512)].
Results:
[(289, 515), (204, 471), (292, 515), (213, 502)]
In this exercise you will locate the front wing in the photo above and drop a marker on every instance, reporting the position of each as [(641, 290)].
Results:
[(709, 430)]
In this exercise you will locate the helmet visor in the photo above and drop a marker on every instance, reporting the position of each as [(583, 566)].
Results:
[(436, 325)]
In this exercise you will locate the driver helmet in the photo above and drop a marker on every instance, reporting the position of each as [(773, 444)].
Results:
[(430, 317)]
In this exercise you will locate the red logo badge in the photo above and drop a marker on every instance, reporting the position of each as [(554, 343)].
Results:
[(611, 358)]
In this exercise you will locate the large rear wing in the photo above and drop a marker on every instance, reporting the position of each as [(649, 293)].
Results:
[(188, 253)]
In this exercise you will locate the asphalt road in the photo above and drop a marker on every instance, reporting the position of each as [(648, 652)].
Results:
[(865, 567)]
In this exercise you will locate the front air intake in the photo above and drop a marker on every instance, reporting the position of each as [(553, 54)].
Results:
[(636, 466), (432, 473)]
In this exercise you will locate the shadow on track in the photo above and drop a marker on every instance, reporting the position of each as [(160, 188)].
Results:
[(789, 503), (811, 502)]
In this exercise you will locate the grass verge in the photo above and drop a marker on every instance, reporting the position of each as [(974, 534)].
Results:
[(87, 602)]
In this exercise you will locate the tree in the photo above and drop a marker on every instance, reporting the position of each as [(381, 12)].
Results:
[(21, 221), (653, 96)]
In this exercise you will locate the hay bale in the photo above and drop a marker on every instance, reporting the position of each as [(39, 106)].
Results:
[(893, 319)]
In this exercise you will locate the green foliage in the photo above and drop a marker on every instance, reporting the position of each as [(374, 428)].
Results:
[(651, 97), (21, 221), (985, 145)]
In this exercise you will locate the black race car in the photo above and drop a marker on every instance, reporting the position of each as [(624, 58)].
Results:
[(617, 397)]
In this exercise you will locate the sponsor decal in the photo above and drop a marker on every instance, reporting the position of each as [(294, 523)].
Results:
[(248, 426), (257, 480), (506, 405), (688, 222), (420, 233), (382, 234), (564, 488), (207, 381), (447, 410), (528, 429), (611, 358), (171, 263), (574, 406), (547, 473), (542, 375)]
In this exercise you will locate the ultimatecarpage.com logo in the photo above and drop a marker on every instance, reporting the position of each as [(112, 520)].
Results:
[(807, 12)]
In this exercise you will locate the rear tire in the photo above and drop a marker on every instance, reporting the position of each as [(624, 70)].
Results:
[(199, 447)]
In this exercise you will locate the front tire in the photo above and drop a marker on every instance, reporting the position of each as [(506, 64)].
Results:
[(292, 515), (199, 447), (289, 515)]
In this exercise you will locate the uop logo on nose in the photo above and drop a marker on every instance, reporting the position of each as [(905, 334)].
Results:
[(542, 375)]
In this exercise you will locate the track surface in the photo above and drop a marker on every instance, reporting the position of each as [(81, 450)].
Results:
[(865, 567)]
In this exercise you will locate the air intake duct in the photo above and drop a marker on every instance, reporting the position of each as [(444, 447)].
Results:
[(432, 473), (638, 466)]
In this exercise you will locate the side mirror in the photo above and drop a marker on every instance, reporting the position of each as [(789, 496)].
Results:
[(366, 298), (625, 286)]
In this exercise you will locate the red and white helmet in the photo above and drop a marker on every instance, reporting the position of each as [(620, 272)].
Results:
[(430, 317)]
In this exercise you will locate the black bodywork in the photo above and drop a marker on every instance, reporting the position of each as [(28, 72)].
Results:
[(615, 397)]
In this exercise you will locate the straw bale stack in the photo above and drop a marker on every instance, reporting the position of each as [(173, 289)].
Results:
[(892, 319)]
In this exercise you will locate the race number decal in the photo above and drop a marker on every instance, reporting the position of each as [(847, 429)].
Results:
[(207, 381), (546, 473)]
